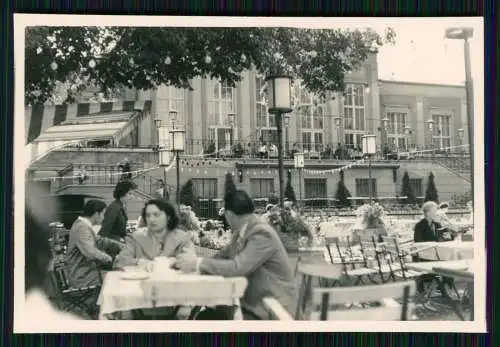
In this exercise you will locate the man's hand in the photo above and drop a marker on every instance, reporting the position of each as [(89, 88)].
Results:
[(186, 262)]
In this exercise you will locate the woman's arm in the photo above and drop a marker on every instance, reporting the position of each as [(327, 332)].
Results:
[(127, 256)]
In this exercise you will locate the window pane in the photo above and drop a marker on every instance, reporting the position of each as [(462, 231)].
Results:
[(315, 188)]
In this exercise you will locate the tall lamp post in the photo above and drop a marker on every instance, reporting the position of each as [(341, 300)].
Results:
[(430, 123), (407, 135), (162, 156), (231, 119), (465, 34), (178, 143), (460, 133), (299, 165), (286, 123), (369, 149), (279, 97)]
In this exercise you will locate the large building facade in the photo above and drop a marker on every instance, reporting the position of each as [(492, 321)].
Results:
[(315, 123), (216, 117)]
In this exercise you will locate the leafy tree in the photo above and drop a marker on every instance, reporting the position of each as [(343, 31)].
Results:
[(187, 194), (229, 186), (289, 192), (144, 57), (407, 190), (431, 193), (342, 195)]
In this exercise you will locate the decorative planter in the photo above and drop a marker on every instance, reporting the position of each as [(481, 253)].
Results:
[(290, 241), (368, 233)]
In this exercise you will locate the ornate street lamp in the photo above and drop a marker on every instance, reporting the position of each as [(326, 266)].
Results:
[(279, 102)]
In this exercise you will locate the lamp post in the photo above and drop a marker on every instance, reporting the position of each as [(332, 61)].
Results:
[(465, 34), (286, 123), (460, 133), (162, 157), (178, 143), (231, 119), (430, 124), (299, 165), (279, 97), (407, 135), (369, 149)]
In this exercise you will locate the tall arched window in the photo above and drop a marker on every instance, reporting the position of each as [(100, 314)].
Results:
[(310, 111), (221, 102), (266, 123), (354, 115)]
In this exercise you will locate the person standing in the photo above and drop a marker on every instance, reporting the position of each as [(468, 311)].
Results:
[(114, 225)]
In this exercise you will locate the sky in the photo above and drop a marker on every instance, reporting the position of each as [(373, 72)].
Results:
[(422, 54)]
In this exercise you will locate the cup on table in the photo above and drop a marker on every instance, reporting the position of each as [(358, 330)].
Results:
[(164, 264)]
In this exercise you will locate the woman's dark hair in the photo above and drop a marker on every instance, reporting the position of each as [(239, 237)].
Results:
[(238, 202), (93, 206), (166, 207), (122, 188), (37, 252)]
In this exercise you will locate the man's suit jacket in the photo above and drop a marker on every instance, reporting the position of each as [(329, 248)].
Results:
[(114, 224), (82, 255), (141, 245), (259, 255), (423, 232)]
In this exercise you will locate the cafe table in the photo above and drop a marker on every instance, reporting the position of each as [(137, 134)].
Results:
[(120, 293), (448, 250)]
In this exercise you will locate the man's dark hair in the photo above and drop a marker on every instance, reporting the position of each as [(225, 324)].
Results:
[(238, 202), (93, 206), (168, 208), (37, 252), (122, 188)]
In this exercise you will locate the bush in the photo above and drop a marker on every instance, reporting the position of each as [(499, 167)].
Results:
[(407, 191), (229, 185), (342, 195), (431, 194), (187, 195)]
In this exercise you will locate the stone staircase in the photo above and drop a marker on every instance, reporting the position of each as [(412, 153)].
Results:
[(459, 165)]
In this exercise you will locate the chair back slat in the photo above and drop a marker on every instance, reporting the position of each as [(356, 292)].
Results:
[(342, 295), (330, 271), (383, 313), (391, 245), (369, 247)]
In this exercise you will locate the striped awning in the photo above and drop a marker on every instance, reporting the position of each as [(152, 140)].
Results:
[(111, 126)]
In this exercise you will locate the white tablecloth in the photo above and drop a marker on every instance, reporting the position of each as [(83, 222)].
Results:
[(118, 295), (427, 267)]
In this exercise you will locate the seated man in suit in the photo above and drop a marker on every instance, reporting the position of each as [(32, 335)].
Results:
[(84, 251), (429, 230), (255, 252)]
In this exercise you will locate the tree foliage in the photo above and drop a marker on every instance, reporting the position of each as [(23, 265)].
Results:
[(144, 57), (407, 190), (431, 193), (289, 192), (342, 195)]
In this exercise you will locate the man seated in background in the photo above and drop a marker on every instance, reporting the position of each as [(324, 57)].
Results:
[(430, 230), (86, 250)]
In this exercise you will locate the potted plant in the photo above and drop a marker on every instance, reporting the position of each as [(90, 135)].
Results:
[(290, 228), (370, 222)]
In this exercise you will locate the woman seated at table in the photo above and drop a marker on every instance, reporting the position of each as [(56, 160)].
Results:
[(162, 238)]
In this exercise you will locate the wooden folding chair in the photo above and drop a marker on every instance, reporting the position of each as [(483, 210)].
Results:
[(465, 276), (73, 299), (331, 302), (373, 257), (310, 272), (395, 260)]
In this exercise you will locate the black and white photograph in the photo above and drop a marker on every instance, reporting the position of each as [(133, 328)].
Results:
[(296, 171)]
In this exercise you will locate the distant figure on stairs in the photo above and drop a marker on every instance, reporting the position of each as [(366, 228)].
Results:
[(124, 167), (162, 192)]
